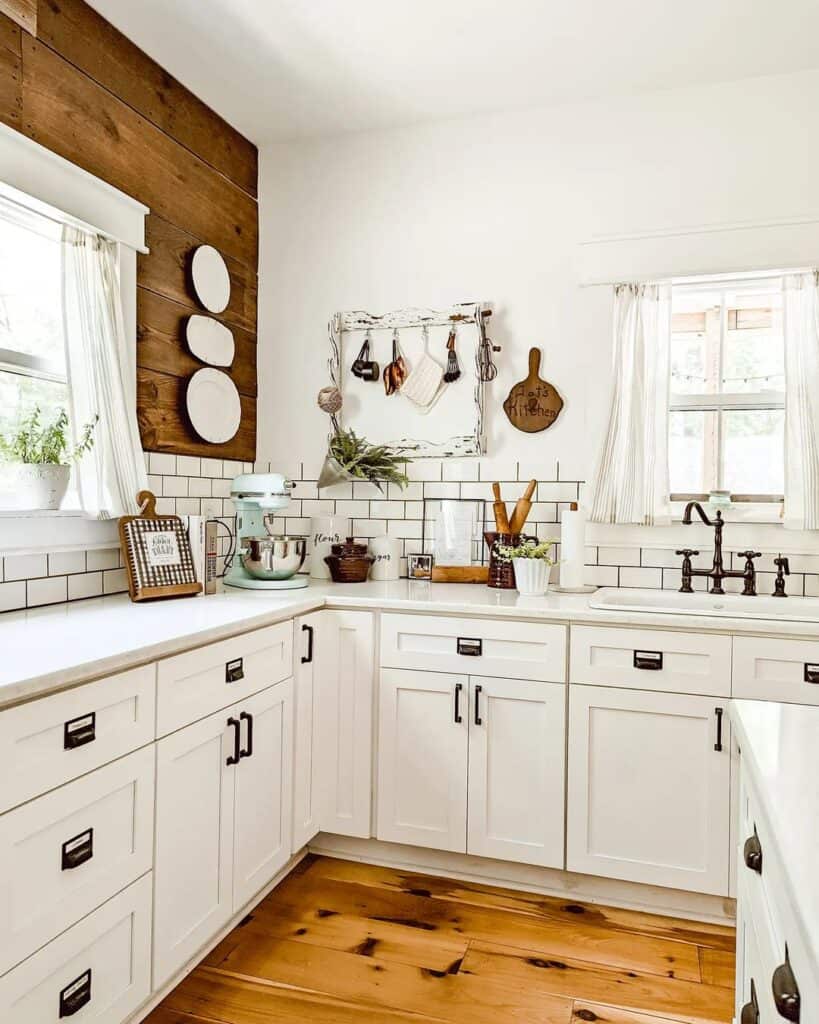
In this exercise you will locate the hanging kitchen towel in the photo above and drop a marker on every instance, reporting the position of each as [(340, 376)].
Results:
[(424, 381)]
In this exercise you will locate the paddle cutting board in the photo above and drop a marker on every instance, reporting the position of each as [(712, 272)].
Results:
[(534, 403)]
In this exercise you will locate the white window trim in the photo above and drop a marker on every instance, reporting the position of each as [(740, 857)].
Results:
[(47, 183)]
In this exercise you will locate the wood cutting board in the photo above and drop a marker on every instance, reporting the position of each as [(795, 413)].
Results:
[(533, 404)]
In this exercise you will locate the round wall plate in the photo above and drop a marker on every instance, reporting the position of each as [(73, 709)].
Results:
[(211, 280), (210, 340), (214, 407)]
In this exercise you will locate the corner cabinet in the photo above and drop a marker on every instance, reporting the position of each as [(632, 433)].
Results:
[(472, 764), (333, 732), (649, 788)]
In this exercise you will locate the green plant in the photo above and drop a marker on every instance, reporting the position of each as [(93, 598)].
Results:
[(528, 550), (365, 461), (35, 443)]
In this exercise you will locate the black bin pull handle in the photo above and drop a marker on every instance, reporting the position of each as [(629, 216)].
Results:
[(237, 753), (651, 661), (458, 717), (306, 659), (718, 745), (811, 673), (470, 647), (248, 750), (234, 670), (752, 853), (77, 850), (786, 992), (749, 1014), (478, 692), (76, 995), (79, 731)]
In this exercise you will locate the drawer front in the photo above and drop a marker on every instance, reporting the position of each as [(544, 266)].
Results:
[(66, 853), (55, 739), (97, 972), (196, 684), (651, 659), (780, 670), (518, 650)]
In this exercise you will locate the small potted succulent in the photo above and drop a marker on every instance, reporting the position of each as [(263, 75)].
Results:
[(38, 459), (532, 563)]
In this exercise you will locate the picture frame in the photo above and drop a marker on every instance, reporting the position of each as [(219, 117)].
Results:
[(419, 567)]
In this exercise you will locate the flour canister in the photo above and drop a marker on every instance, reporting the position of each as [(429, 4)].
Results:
[(387, 554), (324, 532)]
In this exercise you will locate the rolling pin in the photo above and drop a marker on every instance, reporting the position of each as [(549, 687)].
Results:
[(499, 508), (522, 508)]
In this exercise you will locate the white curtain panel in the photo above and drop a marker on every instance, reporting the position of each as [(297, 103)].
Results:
[(631, 483), (801, 323), (111, 475)]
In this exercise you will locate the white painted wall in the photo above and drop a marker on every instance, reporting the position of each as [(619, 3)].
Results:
[(492, 208)]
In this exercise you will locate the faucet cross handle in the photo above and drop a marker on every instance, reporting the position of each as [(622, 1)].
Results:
[(749, 555), (749, 572), (687, 552)]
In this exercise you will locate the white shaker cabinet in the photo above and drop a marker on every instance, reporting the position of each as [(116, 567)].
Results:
[(649, 788), (422, 759), (517, 740), (223, 815), (307, 750)]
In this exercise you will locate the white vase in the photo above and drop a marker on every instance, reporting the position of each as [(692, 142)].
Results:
[(531, 576), (35, 486)]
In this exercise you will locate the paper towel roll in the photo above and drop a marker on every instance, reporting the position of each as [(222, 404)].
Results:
[(572, 547)]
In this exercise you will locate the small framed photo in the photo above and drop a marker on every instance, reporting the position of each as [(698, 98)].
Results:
[(419, 567)]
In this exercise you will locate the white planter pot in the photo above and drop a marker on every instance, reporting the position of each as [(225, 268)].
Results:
[(32, 486), (531, 576)]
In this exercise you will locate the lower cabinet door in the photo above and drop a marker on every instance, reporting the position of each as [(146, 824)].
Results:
[(648, 794), (193, 870), (308, 788), (264, 790), (422, 759), (517, 749), (97, 972)]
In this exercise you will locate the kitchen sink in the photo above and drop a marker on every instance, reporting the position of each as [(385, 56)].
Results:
[(734, 606)]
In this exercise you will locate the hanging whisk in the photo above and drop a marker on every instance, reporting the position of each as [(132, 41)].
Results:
[(486, 365), (453, 371)]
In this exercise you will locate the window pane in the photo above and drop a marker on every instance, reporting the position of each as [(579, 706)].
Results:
[(692, 452), (695, 327), (754, 344), (30, 289), (20, 395), (754, 447)]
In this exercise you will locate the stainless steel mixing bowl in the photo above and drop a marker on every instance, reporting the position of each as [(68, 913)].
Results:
[(273, 558)]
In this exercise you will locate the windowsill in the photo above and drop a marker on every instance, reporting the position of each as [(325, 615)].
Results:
[(37, 531), (40, 513), (769, 513)]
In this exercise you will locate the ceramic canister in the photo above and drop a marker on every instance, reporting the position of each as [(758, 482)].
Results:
[(324, 532), (387, 554)]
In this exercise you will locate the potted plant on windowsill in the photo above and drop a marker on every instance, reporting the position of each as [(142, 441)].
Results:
[(532, 563), (38, 460)]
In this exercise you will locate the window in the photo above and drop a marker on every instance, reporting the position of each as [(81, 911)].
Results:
[(727, 390)]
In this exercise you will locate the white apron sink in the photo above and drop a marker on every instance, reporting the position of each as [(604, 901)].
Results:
[(732, 606)]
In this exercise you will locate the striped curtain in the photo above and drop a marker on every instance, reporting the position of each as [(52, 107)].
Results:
[(801, 324), (631, 483)]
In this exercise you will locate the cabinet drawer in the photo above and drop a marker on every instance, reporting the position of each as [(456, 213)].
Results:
[(194, 685), (64, 854), (781, 670), (487, 647), (651, 659), (58, 738), (99, 969)]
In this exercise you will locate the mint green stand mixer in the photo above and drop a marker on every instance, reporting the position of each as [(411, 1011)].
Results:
[(264, 561)]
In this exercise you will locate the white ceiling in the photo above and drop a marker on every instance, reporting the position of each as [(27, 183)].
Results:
[(286, 69)]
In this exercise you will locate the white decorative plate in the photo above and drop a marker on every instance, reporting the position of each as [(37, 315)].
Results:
[(211, 280), (213, 405), (210, 340)]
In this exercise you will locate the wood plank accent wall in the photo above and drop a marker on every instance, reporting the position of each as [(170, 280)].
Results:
[(72, 82)]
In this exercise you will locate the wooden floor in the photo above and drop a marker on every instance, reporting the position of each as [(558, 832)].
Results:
[(340, 942)]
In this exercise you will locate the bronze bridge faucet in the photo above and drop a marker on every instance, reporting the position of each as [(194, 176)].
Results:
[(717, 573)]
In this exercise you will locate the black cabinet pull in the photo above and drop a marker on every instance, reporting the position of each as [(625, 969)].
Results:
[(76, 995), (478, 719), (236, 726), (786, 991), (458, 717), (234, 670), (749, 1014), (752, 853), (718, 745), (248, 751), (80, 731), (470, 648), (305, 660), (651, 661), (77, 850), (811, 673)]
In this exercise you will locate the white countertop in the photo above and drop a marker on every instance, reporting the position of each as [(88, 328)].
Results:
[(47, 649), (779, 744)]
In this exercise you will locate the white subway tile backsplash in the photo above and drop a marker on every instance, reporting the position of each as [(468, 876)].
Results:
[(220, 488), (114, 581), (187, 465), (459, 469), (317, 507), (61, 563), (86, 584), (434, 490), (188, 506), (232, 468), (211, 507), (414, 491), (410, 528), (52, 590), (475, 491), (353, 509), (425, 470), (561, 492), (12, 596), (387, 509), (199, 487), (102, 559), (537, 469), (161, 463), (363, 489), (367, 528), (211, 467), (601, 575), (24, 567), (174, 486), (498, 467), (651, 579), (306, 489), (618, 556)]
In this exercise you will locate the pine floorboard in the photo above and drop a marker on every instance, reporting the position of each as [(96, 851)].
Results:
[(340, 941)]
